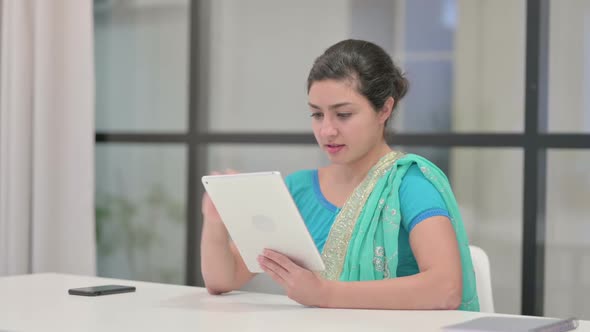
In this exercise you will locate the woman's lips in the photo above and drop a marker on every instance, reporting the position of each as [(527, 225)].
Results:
[(334, 148)]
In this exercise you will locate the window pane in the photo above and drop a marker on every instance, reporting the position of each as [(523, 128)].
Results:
[(435, 28), (259, 157), (488, 184), (451, 50), (567, 248), (260, 53), (140, 212), (569, 66), (141, 56)]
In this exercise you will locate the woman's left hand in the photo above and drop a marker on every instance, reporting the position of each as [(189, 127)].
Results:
[(301, 285)]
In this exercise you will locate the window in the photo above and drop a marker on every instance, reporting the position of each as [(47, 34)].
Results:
[(480, 105)]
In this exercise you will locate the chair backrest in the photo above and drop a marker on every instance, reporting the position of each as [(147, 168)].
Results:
[(483, 278)]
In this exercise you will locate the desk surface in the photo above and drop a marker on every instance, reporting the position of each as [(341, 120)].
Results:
[(40, 302)]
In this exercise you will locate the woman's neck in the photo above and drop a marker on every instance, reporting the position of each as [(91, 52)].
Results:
[(354, 173)]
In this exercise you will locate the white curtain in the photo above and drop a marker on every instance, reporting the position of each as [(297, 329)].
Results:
[(47, 137)]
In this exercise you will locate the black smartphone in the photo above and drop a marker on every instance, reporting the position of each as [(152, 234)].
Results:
[(101, 290)]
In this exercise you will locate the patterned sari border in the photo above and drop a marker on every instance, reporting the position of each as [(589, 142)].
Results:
[(336, 247)]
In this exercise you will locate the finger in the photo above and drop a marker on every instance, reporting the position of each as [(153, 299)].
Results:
[(230, 171), (271, 265), (281, 260), (277, 278)]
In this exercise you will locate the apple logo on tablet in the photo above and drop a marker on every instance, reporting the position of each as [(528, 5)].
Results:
[(263, 223)]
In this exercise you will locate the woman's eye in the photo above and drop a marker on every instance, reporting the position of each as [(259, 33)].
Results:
[(344, 115), (317, 115)]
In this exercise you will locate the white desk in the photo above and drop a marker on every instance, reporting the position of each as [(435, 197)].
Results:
[(40, 302)]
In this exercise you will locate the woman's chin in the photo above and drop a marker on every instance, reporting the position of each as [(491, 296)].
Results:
[(337, 159)]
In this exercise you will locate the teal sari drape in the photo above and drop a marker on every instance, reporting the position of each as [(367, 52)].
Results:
[(363, 241)]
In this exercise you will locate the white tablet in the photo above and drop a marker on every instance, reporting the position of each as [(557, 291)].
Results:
[(260, 213)]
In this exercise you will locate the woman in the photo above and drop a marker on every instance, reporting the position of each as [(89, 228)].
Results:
[(387, 223)]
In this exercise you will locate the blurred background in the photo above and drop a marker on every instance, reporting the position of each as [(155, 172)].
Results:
[(186, 87)]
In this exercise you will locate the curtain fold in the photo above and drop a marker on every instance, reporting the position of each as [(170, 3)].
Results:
[(47, 137)]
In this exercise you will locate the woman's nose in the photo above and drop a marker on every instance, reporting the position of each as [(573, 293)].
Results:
[(328, 128)]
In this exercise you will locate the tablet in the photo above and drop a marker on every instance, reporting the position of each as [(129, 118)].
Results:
[(260, 213)]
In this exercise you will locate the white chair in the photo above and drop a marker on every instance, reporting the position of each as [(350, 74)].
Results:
[(483, 278)]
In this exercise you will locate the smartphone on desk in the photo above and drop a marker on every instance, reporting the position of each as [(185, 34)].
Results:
[(101, 290)]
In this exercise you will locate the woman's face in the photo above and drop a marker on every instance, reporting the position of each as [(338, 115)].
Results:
[(344, 122)]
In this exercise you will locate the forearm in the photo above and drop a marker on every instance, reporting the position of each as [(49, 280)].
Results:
[(422, 291), (218, 263)]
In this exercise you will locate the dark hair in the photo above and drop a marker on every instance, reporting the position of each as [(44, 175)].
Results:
[(367, 65)]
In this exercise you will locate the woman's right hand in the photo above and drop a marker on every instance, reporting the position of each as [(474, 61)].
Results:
[(213, 227), (207, 207), (221, 264)]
